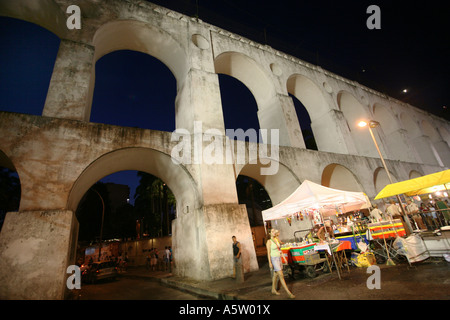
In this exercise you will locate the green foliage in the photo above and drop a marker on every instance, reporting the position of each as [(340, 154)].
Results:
[(154, 202)]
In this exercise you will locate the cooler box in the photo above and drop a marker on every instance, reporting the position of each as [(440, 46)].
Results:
[(298, 253), (312, 258)]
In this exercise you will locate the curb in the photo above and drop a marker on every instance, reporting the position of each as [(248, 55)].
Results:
[(207, 293), (196, 290), (193, 288)]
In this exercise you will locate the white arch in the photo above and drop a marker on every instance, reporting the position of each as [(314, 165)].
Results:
[(249, 73), (394, 140), (415, 174), (445, 134), (140, 159), (142, 37), (279, 186), (309, 94), (337, 176), (410, 125), (430, 131), (354, 112), (270, 112), (439, 147), (325, 128), (381, 179)]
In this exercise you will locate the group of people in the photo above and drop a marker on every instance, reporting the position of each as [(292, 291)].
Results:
[(426, 216), (154, 263)]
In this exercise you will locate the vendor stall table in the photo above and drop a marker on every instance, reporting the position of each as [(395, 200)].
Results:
[(437, 245), (339, 252), (382, 235), (352, 239)]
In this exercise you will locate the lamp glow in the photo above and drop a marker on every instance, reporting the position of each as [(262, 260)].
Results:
[(362, 124)]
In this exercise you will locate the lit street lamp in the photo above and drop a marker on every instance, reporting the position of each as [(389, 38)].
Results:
[(373, 124)]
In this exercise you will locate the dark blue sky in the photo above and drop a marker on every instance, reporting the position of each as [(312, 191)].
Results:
[(410, 51)]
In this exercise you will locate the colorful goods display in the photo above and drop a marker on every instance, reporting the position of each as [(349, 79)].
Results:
[(387, 229)]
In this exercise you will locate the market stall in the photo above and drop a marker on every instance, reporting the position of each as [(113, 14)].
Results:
[(434, 243), (315, 203), (438, 181)]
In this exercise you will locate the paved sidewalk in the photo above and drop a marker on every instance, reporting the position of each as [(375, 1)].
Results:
[(427, 280)]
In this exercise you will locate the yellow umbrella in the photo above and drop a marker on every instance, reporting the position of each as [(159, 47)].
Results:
[(426, 184)]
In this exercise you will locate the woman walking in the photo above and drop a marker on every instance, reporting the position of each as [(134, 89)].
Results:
[(274, 257)]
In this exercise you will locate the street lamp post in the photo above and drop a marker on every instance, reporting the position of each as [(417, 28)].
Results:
[(373, 124), (101, 228)]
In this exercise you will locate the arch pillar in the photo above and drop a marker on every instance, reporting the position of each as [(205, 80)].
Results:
[(280, 115), (402, 150), (443, 151), (198, 99), (332, 134), (428, 153), (36, 247), (69, 91)]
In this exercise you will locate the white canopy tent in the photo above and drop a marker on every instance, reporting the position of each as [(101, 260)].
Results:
[(313, 196), (310, 195)]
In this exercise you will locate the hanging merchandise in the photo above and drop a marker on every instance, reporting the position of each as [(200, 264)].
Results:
[(317, 217)]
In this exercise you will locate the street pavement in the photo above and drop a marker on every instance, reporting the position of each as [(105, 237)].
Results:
[(429, 280), (132, 288)]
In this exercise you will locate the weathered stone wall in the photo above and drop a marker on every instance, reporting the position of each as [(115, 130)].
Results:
[(36, 247)]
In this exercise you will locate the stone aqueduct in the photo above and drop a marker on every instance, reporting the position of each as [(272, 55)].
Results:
[(60, 154)]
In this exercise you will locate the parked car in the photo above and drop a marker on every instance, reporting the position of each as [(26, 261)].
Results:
[(99, 271)]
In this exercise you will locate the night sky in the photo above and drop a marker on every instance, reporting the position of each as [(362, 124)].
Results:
[(410, 52)]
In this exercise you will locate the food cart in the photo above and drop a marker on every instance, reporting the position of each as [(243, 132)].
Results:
[(310, 203), (303, 258)]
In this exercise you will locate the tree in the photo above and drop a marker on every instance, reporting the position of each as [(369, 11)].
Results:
[(153, 201)]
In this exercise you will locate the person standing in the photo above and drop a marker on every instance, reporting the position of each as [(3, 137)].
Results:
[(167, 259), (274, 256), (147, 263), (434, 214), (442, 206), (153, 259), (426, 215), (376, 214), (413, 210), (238, 271), (393, 210)]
